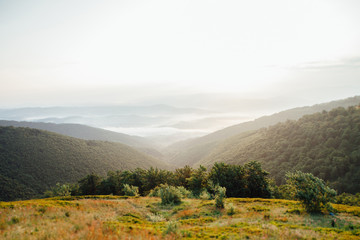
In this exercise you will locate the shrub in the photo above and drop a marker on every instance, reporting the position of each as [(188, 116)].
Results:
[(169, 195), (311, 191), (171, 228), (348, 199), (155, 218), (230, 209), (183, 191), (62, 190), (205, 195), (14, 220), (219, 196), (130, 190), (154, 192)]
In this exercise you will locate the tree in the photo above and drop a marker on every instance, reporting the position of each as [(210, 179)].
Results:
[(90, 184), (257, 183), (311, 191), (181, 176), (198, 180), (232, 177), (59, 190), (155, 177)]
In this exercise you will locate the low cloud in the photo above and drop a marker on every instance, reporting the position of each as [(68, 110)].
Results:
[(336, 64)]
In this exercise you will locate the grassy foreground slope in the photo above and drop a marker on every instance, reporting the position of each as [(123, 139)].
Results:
[(32, 160), (113, 217), (191, 151), (325, 144)]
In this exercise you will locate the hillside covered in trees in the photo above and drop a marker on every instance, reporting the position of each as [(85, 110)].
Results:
[(33, 160), (189, 152), (89, 133), (326, 144)]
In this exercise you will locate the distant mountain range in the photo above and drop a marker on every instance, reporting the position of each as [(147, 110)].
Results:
[(191, 151), (33, 160), (83, 132), (156, 120), (321, 140)]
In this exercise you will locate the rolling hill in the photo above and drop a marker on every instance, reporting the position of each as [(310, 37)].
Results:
[(191, 151), (90, 133), (326, 144), (33, 160)]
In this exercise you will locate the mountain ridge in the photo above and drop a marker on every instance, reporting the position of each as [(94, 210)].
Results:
[(188, 152), (325, 144), (90, 133), (38, 159)]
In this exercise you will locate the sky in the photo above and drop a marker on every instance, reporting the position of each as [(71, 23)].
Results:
[(230, 54)]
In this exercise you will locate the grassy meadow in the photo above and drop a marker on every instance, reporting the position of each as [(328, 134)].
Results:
[(112, 217)]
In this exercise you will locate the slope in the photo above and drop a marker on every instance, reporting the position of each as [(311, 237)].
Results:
[(325, 144), (189, 152), (90, 133), (35, 160)]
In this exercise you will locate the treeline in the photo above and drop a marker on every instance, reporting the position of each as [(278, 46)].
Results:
[(249, 180), (222, 180)]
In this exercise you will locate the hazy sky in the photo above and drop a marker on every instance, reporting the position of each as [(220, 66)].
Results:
[(186, 52)]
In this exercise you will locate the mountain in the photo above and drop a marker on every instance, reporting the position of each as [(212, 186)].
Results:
[(90, 133), (82, 132), (191, 151), (39, 113), (325, 144), (155, 120), (33, 160)]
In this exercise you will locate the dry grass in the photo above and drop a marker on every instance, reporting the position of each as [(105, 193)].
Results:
[(107, 217)]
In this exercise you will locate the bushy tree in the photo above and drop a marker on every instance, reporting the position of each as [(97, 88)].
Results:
[(156, 192), (112, 184), (154, 177), (90, 185), (257, 182), (169, 194), (311, 191), (220, 194), (181, 176), (130, 190), (198, 181), (249, 180), (59, 190), (232, 177)]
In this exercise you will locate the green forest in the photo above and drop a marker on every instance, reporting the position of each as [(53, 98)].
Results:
[(32, 160), (192, 151), (325, 144), (249, 180)]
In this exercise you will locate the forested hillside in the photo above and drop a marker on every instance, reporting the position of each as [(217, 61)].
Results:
[(90, 133), (189, 152), (33, 160), (326, 144)]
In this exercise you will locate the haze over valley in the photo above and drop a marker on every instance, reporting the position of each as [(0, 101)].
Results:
[(191, 119)]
